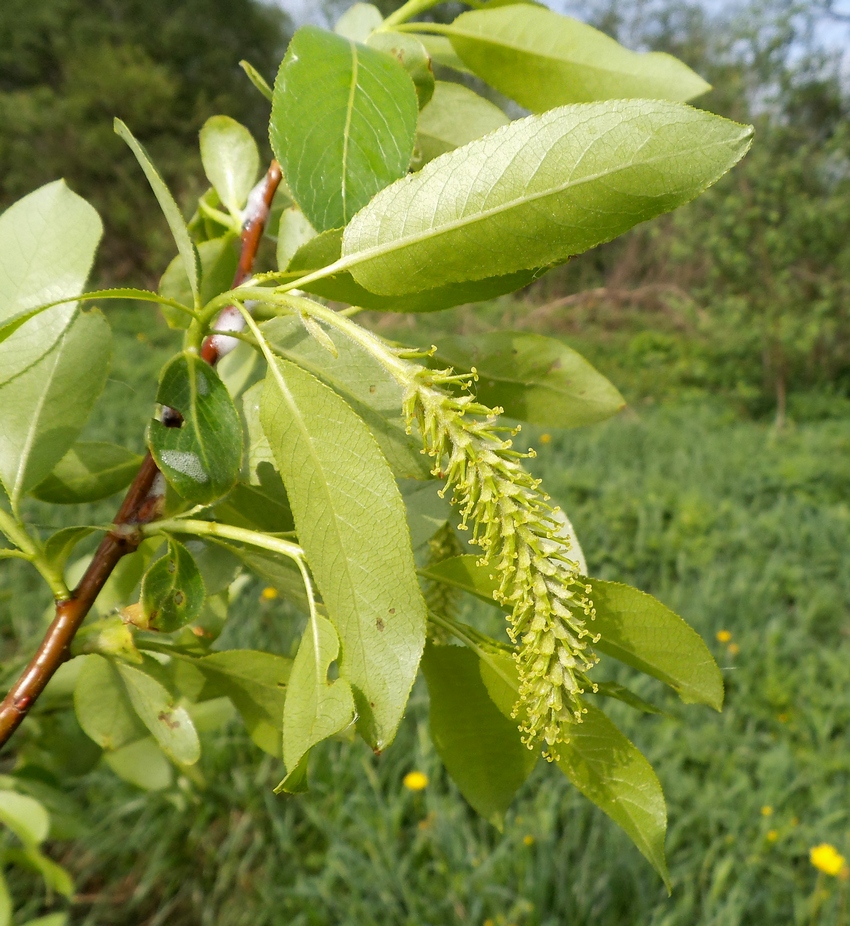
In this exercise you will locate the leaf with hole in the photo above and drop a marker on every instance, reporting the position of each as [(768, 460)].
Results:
[(537, 191), (202, 458), (533, 378), (316, 707), (172, 590), (343, 123), (351, 523)]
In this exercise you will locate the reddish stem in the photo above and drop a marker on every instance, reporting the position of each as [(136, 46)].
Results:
[(142, 504)]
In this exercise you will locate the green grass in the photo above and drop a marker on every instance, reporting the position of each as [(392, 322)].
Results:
[(736, 527)]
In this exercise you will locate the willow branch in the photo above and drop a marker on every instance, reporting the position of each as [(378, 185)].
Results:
[(143, 503)]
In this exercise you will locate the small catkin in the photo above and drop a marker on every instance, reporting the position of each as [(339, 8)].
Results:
[(520, 535)]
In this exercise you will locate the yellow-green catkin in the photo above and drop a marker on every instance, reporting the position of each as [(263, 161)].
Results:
[(520, 535)]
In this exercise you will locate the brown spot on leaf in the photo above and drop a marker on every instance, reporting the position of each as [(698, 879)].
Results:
[(167, 718), (392, 610), (380, 624), (179, 598)]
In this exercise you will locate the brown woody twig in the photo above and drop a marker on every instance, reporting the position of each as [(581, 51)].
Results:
[(142, 504)]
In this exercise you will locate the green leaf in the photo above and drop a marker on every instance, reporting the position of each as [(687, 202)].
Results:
[(202, 458), (256, 79), (5, 902), (59, 546), (172, 590), (231, 160), (277, 571), (142, 764), (185, 246), (533, 378), (52, 919), (411, 55), (442, 53), (47, 245), (351, 523), (218, 258), (480, 747), (315, 707), (358, 22), (88, 472), (343, 124), (455, 116), (640, 631), (610, 770), (364, 384), (46, 406), (545, 187), (633, 627), (25, 817), (217, 565), (542, 60), (257, 508), (256, 684), (55, 877), (102, 705), (170, 725), (621, 693), (293, 231), (326, 248)]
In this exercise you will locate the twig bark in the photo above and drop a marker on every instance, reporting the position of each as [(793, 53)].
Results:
[(142, 504)]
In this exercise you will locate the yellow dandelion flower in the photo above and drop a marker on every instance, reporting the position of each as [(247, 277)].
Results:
[(767, 811), (545, 438), (528, 840), (268, 593), (723, 636), (733, 649), (772, 835), (827, 859), (415, 781)]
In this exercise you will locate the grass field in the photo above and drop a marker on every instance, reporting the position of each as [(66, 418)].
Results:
[(738, 528)]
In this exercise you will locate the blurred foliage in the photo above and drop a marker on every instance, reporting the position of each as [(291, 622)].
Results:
[(68, 67)]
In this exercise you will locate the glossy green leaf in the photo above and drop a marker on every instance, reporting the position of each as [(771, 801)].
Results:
[(611, 771), (143, 764), (326, 248), (542, 59), (202, 458), (480, 747), (170, 725), (455, 116), (103, 706), (364, 384), (343, 124), (256, 79), (351, 523), (48, 241), (89, 471), (172, 590), (219, 258), (256, 684), (293, 232), (46, 406), (358, 22), (315, 707), (640, 631), (533, 378), (545, 187), (231, 160), (412, 56), (185, 246), (25, 817)]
